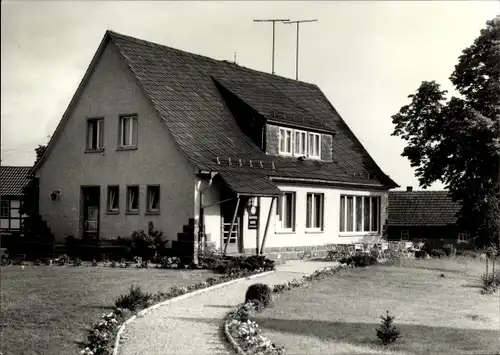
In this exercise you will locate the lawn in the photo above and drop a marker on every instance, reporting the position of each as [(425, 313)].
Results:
[(435, 314), (46, 309)]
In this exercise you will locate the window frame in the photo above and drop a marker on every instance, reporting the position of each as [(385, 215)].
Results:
[(99, 121), (7, 207), (280, 210), (285, 130), (311, 212), (13, 214), (132, 135), (463, 240), (150, 210), (128, 209), (302, 140), (311, 149), (343, 203), (110, 210)]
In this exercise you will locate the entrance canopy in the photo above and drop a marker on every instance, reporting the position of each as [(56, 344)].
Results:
[(244, 184)]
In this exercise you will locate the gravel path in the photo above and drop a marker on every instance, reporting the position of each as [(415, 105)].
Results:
[(194, 325)]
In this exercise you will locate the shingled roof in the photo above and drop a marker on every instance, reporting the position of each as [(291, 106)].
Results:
[(182, 89), (421, 208), (13, 179)]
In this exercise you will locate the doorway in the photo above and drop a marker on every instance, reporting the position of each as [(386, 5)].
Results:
[(91, 196)]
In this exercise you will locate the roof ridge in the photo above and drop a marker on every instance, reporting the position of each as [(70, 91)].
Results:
[(222, 61)]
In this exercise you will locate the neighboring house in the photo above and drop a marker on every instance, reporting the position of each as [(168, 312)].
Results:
[(196, 145), (12, 181), (424, 215)]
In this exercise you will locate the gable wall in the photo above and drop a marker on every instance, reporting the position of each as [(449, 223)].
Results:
[(111, 91)]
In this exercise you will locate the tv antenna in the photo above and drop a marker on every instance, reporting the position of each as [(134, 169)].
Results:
[(297, 49), (274, 22)]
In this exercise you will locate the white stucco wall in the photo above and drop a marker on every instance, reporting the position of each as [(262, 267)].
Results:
[(301, 237), (112, 91)]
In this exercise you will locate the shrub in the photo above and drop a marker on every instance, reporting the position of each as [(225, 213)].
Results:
[(467, 254), (37, 262), (243, 263), (260, 294), (450, 250), (144, 264), (421, 254), (134, 300), (17, 262), (94, 263), (113, 264), (491, 281), (46, 261), (146, 245), (437, 253), (63, 260), (387, 332), (169, 262), (77, 262), (5, 262), (359, 260)]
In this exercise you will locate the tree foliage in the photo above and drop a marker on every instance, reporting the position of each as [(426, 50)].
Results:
[(457, 140)]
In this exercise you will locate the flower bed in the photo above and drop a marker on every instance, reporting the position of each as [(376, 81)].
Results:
[(244, 334), (102, 334)]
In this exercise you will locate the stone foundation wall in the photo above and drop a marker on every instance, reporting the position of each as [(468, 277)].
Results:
[(292, 253)]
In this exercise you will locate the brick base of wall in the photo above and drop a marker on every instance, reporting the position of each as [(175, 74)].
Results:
[(292, 253)]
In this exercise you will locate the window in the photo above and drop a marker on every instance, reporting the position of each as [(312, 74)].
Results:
[(128, 131), (285, 211), (300, 143), (5, 206), (405, 234), (153, 196), (314, 216), (314, 145), (285, 141), (463, 237), (95, 134), (359, 213), (113, 199), (133, 198)]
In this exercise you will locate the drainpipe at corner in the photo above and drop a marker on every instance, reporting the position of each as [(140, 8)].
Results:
[(201, 221)]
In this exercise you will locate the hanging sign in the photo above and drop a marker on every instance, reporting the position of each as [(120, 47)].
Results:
[(253, 217)]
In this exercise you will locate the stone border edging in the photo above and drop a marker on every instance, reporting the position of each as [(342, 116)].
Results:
[(178, 298)]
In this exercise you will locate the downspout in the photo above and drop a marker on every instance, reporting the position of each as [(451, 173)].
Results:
[(201, 221)]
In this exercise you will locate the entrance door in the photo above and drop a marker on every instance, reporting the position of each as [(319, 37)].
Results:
[(234, 245), (91, 197)]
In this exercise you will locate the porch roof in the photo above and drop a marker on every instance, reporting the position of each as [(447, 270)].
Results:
[(250, 185)]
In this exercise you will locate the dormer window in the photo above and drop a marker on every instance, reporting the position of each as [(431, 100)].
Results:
[(285, 141), (300, 143), (314, 145)]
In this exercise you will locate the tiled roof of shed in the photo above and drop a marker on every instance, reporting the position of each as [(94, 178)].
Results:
[(13, 179), (421, 208)]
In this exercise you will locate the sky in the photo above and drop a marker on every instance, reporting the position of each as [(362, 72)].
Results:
[(367, 57)]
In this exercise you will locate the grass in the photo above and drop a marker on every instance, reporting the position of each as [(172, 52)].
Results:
[(46, 310), (435, 314)]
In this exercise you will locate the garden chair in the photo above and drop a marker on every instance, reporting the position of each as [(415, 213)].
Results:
[(332, 252)]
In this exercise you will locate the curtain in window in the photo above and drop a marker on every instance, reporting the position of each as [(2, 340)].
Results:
[(288, 218), (132, 200), (375, 213), (359, 213), (350, 213), (112, 199), (342, 214), (153, 199), (318, 211), (134, 131), (309, 211), (366, 214)]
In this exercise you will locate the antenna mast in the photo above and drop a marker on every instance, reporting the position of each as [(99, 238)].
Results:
[(297, 49), (274, 22)]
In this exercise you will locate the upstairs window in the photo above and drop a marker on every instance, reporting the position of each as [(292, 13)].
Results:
[(5, 207), (300, 143), (285, 141), (95, 134), (128, 131), (314, 145)]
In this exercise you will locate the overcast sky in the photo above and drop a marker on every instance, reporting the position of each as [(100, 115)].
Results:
[(367, 57)]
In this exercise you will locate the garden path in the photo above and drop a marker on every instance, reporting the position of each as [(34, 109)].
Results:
[(194, 325)]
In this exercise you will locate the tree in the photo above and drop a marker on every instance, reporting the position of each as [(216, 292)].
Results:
[(457, 141), (39, 152)]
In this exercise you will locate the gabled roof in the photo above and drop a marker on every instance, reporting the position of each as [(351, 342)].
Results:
[(421, 208), (13, 179), (182, 88)]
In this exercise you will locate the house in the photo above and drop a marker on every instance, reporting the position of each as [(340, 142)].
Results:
[(201, 147), (12, 181), (424, 215)]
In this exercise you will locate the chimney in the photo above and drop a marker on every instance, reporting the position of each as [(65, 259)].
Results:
[(409, 188)]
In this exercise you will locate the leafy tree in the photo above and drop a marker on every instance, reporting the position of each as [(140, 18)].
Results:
[(39, 152), (457, 141)]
